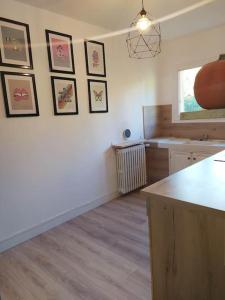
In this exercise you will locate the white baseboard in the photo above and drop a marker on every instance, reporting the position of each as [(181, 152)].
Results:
[(28, 234)]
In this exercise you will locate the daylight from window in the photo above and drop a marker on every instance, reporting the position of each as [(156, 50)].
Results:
[(187, 99)]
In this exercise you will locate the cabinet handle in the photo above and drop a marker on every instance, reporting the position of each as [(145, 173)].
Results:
[(189, 158)]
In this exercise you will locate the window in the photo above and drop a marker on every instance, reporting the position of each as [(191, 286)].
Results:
[(187, 101)]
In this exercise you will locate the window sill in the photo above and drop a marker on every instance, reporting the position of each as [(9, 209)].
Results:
[(203, 115)]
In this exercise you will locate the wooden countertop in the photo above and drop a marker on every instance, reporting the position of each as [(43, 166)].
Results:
[(202, 184), (159, 142), (167, 142)]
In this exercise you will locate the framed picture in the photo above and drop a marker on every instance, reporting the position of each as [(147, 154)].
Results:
[(95, 58), (60, 52), (98, 96), (20, 96), (64, 91), (15, 44)]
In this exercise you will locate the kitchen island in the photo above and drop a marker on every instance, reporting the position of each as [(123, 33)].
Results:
[(187, 232)]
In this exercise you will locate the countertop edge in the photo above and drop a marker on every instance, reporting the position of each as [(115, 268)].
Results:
[(166, 187)]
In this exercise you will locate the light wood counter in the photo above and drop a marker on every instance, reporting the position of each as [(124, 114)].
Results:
[(187, 232)]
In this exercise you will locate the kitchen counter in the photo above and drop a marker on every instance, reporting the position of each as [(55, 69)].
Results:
[(187, 232), (172, 142), (166, 155), (160, 142), (202, 184), (167, 142)]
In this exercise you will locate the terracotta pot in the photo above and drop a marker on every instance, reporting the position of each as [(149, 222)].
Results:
[(209, 87)]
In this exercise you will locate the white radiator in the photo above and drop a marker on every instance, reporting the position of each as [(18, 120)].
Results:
[(131, 168)]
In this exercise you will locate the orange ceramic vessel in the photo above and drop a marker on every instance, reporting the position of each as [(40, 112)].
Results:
[(209, 87)]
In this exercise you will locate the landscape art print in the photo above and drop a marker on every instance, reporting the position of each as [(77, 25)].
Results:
[(60, 52), (20, 96), (15, 44), (95, 58), (64, 92), (98, 96)]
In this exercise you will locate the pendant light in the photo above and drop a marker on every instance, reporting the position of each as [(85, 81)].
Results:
[(144, 22), (144, 38)]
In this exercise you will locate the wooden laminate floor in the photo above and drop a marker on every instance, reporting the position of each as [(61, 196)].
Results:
[(101, 255)]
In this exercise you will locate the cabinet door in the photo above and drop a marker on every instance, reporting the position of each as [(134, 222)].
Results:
[(198, 156), (179, 160)]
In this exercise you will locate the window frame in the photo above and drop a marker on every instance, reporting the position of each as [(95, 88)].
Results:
[(180, 94), (176, 106)]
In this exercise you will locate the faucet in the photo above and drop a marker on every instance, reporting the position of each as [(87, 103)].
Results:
[(205, 137)]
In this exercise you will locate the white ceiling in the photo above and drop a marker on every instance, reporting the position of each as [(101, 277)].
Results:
[(118, 14)]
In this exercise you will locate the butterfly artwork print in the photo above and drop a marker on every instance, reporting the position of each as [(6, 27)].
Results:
[(98, 96)]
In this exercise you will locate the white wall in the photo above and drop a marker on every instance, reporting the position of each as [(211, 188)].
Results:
[(50, 164), (186, 52)]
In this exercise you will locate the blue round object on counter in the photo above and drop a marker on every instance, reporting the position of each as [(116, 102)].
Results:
[(127, 133)]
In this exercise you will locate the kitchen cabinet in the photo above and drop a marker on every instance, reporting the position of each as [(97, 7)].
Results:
[(186, 230), (165, 156), (179, 160), (157, 160), (198, 156)]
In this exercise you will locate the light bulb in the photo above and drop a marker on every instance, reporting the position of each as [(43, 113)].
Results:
[(143, 23)]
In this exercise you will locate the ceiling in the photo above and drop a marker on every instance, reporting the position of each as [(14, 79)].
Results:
[(118, 14)]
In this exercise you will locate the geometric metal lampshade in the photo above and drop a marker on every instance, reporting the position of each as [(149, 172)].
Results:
[(144, 39)]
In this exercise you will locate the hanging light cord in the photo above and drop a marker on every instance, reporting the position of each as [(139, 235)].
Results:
[(143, 11)]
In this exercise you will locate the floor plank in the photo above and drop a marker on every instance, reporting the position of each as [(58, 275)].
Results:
[(101, 255)]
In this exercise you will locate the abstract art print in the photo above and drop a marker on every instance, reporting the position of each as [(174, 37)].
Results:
[(98, 96), (20, 96), (60, 52), (64, 92), (15, 44), (95, 58)]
